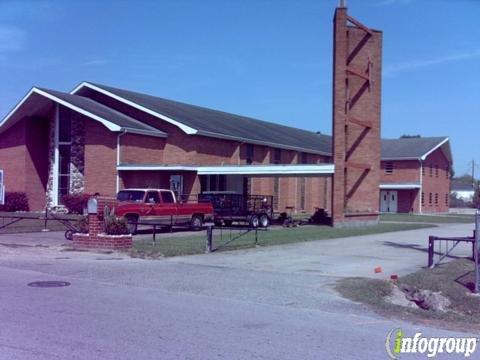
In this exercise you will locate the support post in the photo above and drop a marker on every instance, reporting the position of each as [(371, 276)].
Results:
[(431, 250), (45, 220), (154, 240), (477, 244), (209, 246)]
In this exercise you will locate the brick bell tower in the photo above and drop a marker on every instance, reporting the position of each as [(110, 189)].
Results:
[(356, 121)]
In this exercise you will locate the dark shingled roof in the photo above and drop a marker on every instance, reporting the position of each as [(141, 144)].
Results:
[(222, 124), (103, 112), (409, 148)]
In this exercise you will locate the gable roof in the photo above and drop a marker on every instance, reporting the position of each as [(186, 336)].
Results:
[(199, 120), (112, 119), (414, 148)]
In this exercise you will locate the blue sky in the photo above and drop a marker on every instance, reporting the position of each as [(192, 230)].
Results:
[(267, 59)]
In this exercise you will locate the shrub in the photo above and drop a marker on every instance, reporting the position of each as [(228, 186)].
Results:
[(113, 224), (116, 226), (15, 201), (75, 203)]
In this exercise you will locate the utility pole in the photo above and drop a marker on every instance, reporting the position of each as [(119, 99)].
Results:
[(473, 173)]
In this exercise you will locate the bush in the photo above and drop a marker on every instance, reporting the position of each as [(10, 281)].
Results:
[(15, 201), (75, 203), (116, 226), (113, 224)]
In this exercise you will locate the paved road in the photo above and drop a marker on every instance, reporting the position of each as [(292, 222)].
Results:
[(266, 303)]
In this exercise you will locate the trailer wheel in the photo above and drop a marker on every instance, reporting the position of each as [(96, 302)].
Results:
[(253, 221), (196, 222), (264, 220), (69, 235), (132, 224)]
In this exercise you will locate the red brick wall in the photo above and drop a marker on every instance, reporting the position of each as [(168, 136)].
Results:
[(408, 201), (403, 171), (437, 183), (24, 159), (13, 152), (152, 179), (100, 159), (141, 149)]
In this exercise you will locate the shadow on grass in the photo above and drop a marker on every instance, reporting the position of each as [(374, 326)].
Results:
[(467, 280), (419, 248)]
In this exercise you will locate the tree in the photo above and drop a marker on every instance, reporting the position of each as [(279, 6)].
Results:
[(408, 136)]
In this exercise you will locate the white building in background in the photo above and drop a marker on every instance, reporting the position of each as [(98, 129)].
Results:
[(463, 191)]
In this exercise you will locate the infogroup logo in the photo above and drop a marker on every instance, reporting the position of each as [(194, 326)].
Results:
[(397, 343)]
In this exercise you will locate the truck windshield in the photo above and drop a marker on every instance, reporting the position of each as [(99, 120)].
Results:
[(131, 195)]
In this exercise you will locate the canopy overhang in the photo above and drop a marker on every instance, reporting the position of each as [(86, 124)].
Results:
[(247, 170), (400, 186)]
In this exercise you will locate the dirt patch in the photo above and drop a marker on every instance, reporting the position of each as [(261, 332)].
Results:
[(447, 290)]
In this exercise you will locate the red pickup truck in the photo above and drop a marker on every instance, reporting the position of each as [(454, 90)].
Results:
[(159, 207)]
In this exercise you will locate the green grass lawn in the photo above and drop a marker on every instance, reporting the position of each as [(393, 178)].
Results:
[(436, 219), (196, 242), (453, 279)]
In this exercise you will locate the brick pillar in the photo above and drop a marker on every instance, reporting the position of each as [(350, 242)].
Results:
[(356, 121), (340, 48), (94, 225)]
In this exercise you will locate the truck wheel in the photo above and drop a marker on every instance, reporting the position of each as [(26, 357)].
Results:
[(253, 221), (197, 222), (264, 220), (132, 224)]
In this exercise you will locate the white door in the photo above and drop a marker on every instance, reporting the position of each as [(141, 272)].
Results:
[(388, 201)]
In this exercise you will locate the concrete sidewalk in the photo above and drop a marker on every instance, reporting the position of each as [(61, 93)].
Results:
[(399, 253)]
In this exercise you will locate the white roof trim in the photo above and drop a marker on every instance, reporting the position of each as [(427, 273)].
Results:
[(398, 158), (423, 157), (185, 128), (145, 132), (400, 186), (108, 124), (20, 103), (285, 170)]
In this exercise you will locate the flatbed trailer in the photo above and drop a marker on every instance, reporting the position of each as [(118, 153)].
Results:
[(229, 207)]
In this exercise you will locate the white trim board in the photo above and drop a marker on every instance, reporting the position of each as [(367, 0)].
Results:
[(423, 157), (183, 127), (285, 170), (399, 186)]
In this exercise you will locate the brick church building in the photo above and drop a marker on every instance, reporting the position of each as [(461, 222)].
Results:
[(101, 139)]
